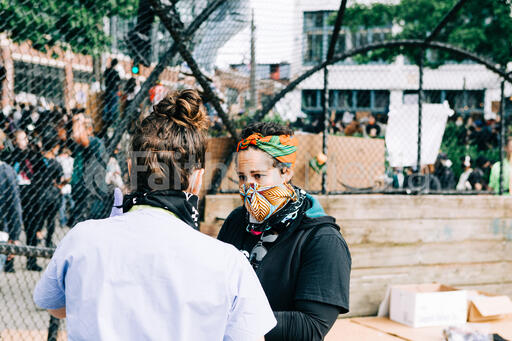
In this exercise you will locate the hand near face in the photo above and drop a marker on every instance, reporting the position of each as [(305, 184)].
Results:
[(117, 207)]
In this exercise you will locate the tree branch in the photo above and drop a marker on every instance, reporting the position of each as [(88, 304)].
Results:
[(130, 112), (444, 21), (336, 29), (171, 20)]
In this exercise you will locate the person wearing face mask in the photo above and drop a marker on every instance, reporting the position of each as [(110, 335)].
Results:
[(479, 178), (297, 251), (443, 173), (149, 274)]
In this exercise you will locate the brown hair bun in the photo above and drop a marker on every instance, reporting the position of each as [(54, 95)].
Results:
[(170, 143), (184, 108)]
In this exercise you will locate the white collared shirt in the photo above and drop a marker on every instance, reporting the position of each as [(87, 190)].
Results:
[(146, 275)]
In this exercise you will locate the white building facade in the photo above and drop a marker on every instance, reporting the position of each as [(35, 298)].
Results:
[(373, 87)]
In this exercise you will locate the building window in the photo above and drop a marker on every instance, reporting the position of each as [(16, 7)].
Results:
[(313, 19), (311, 99), (40, 80), (381, 34), (314, 47), (475, 99), (381, 100), (360, 38), (375, 35), (340, 43), (363, 99), (461, 101), (341, 99), (375, 101), (455, 98), (432, 96)]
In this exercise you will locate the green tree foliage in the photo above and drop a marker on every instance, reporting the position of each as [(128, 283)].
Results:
[(77, 24), (482, 27), (363, 16)]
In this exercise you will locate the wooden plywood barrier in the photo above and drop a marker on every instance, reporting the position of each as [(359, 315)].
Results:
[(462, 241), (353, 161)]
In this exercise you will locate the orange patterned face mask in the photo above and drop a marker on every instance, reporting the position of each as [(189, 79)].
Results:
[(263, 202)]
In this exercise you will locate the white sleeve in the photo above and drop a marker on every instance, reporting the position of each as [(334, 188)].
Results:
[(49, 292), (250, 317)]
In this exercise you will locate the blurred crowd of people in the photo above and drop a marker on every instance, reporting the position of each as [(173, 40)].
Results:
[(347, 124), (60, 169), (55, 168), (54, 165), (477, 169), (478, 172)]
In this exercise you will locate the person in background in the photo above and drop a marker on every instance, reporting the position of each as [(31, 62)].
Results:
[(398, 178), (66, 162), (89, 190), (48, 180), (297, 251), (464, 184), (114, 176), (130, 90), (111, 96), (481, 136), (479, 178), (11, 219), (372, 128), (444, 173), (353, 128), (157, 92), (24, 160), (148, 274), (29, 118), (494, 179)]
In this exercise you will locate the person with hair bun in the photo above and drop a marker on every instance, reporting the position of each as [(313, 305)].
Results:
[(148, 274), (297, 251)]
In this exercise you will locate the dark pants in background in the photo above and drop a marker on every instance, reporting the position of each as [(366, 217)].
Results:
[(39, 208)]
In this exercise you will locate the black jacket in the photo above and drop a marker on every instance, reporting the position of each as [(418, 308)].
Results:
[(10, 205), (309, 261)]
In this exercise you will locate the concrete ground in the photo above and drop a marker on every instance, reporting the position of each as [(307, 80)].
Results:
[(20, 319)]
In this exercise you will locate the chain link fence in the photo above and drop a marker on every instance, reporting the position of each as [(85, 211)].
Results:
[(76, 76)]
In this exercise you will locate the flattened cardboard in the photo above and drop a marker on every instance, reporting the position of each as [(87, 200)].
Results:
[(346, 329), (486, 307), (400, 330), (501, 327)]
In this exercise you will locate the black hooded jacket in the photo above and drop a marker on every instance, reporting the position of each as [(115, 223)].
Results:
[(308, 263)]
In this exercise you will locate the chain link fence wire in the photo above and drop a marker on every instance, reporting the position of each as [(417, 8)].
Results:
[(76, 76)]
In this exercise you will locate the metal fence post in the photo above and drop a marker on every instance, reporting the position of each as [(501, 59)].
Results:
[(326, 126), (502, 134), (53, 328), (420, 104)]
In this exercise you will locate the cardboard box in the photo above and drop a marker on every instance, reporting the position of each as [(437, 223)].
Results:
[(487, 307), (425, 305), (402, 332)]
